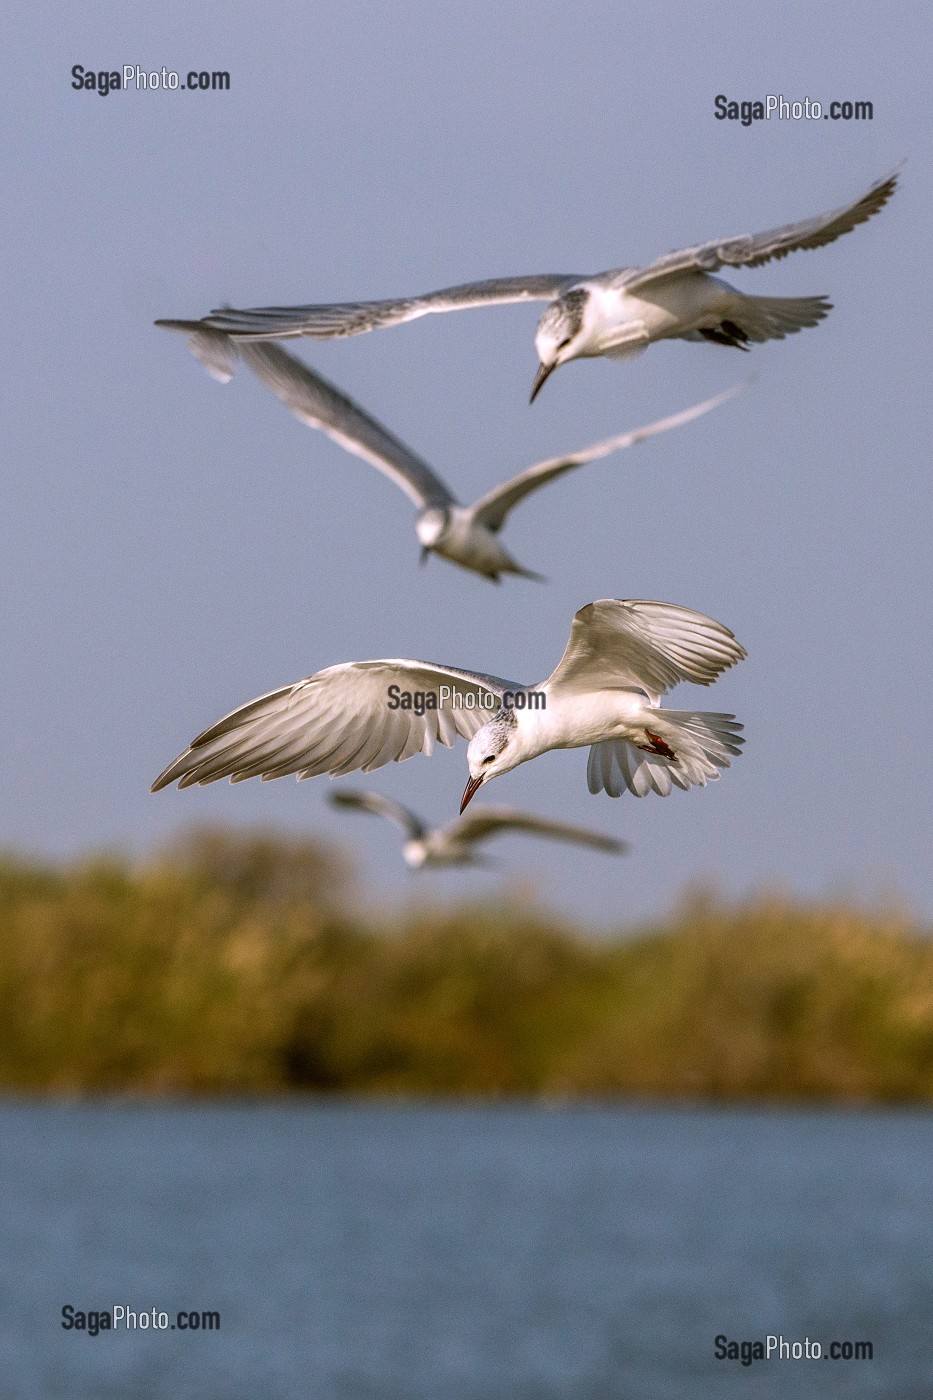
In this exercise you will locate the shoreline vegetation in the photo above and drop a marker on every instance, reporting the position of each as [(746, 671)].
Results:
[(236, 963)]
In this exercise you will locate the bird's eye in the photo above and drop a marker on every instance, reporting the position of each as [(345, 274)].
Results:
[(489, 758)]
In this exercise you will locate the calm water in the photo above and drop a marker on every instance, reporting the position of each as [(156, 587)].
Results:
[(452, 1253)]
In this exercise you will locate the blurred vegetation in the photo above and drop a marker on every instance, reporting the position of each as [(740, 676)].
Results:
[(234, 963)]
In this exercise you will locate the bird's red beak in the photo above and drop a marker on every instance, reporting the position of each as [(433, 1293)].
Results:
[(473, 786), (543, 372)]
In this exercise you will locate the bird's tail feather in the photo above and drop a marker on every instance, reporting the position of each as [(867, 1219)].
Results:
[(698, 745), (772, 318), (513, 568)]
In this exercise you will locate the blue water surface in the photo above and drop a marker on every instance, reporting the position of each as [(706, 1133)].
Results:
[(463, 1253)]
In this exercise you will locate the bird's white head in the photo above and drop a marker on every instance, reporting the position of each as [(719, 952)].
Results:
[(492, 752), (560, 333), (430, 527), (415, 853)]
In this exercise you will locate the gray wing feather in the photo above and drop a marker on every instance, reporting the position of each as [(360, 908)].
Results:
[(328, 322), (484, 822), (492, 510), (380, 806), (751, 250), (320, 405), (335, 722)]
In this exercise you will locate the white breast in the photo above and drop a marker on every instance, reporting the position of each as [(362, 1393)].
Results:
[(672, 305), (571, 720)]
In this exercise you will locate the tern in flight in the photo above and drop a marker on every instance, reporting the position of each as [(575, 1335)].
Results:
[(456, 843), (617, 313), (605, 693), (466, 535)]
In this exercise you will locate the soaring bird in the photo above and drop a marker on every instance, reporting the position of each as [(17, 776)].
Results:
[(618, 313), (456, 843), (605, 693), (466, 535)]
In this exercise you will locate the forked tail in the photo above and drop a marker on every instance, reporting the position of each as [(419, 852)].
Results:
[(772, 318), (682, 747)]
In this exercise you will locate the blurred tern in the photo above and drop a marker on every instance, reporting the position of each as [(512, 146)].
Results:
[(466, 535), (455, 844), (605, 693), (617, 313)]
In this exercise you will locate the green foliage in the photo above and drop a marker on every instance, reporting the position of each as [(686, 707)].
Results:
[(233, 964)]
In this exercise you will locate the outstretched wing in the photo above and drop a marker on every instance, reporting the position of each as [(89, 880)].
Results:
[(328, 322), (753, 249), (483, 822), (651, 646), (317, 403), (493, 508), (380, 806), (337, 721)]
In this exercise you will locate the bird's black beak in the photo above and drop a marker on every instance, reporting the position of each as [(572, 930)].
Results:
[(540, 377), (472, 788), (425, 554)]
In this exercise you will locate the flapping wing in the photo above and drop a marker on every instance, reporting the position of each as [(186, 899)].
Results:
[(328, 322), (630, 642), (753, 249), (495, 506), (483, 822), (215, 350), (380, 806), (337, 721), (320, 405)]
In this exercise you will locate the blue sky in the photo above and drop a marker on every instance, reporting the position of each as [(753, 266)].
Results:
[(171, 548)]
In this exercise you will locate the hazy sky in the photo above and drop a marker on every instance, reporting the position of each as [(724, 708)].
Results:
[(170, 548)]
